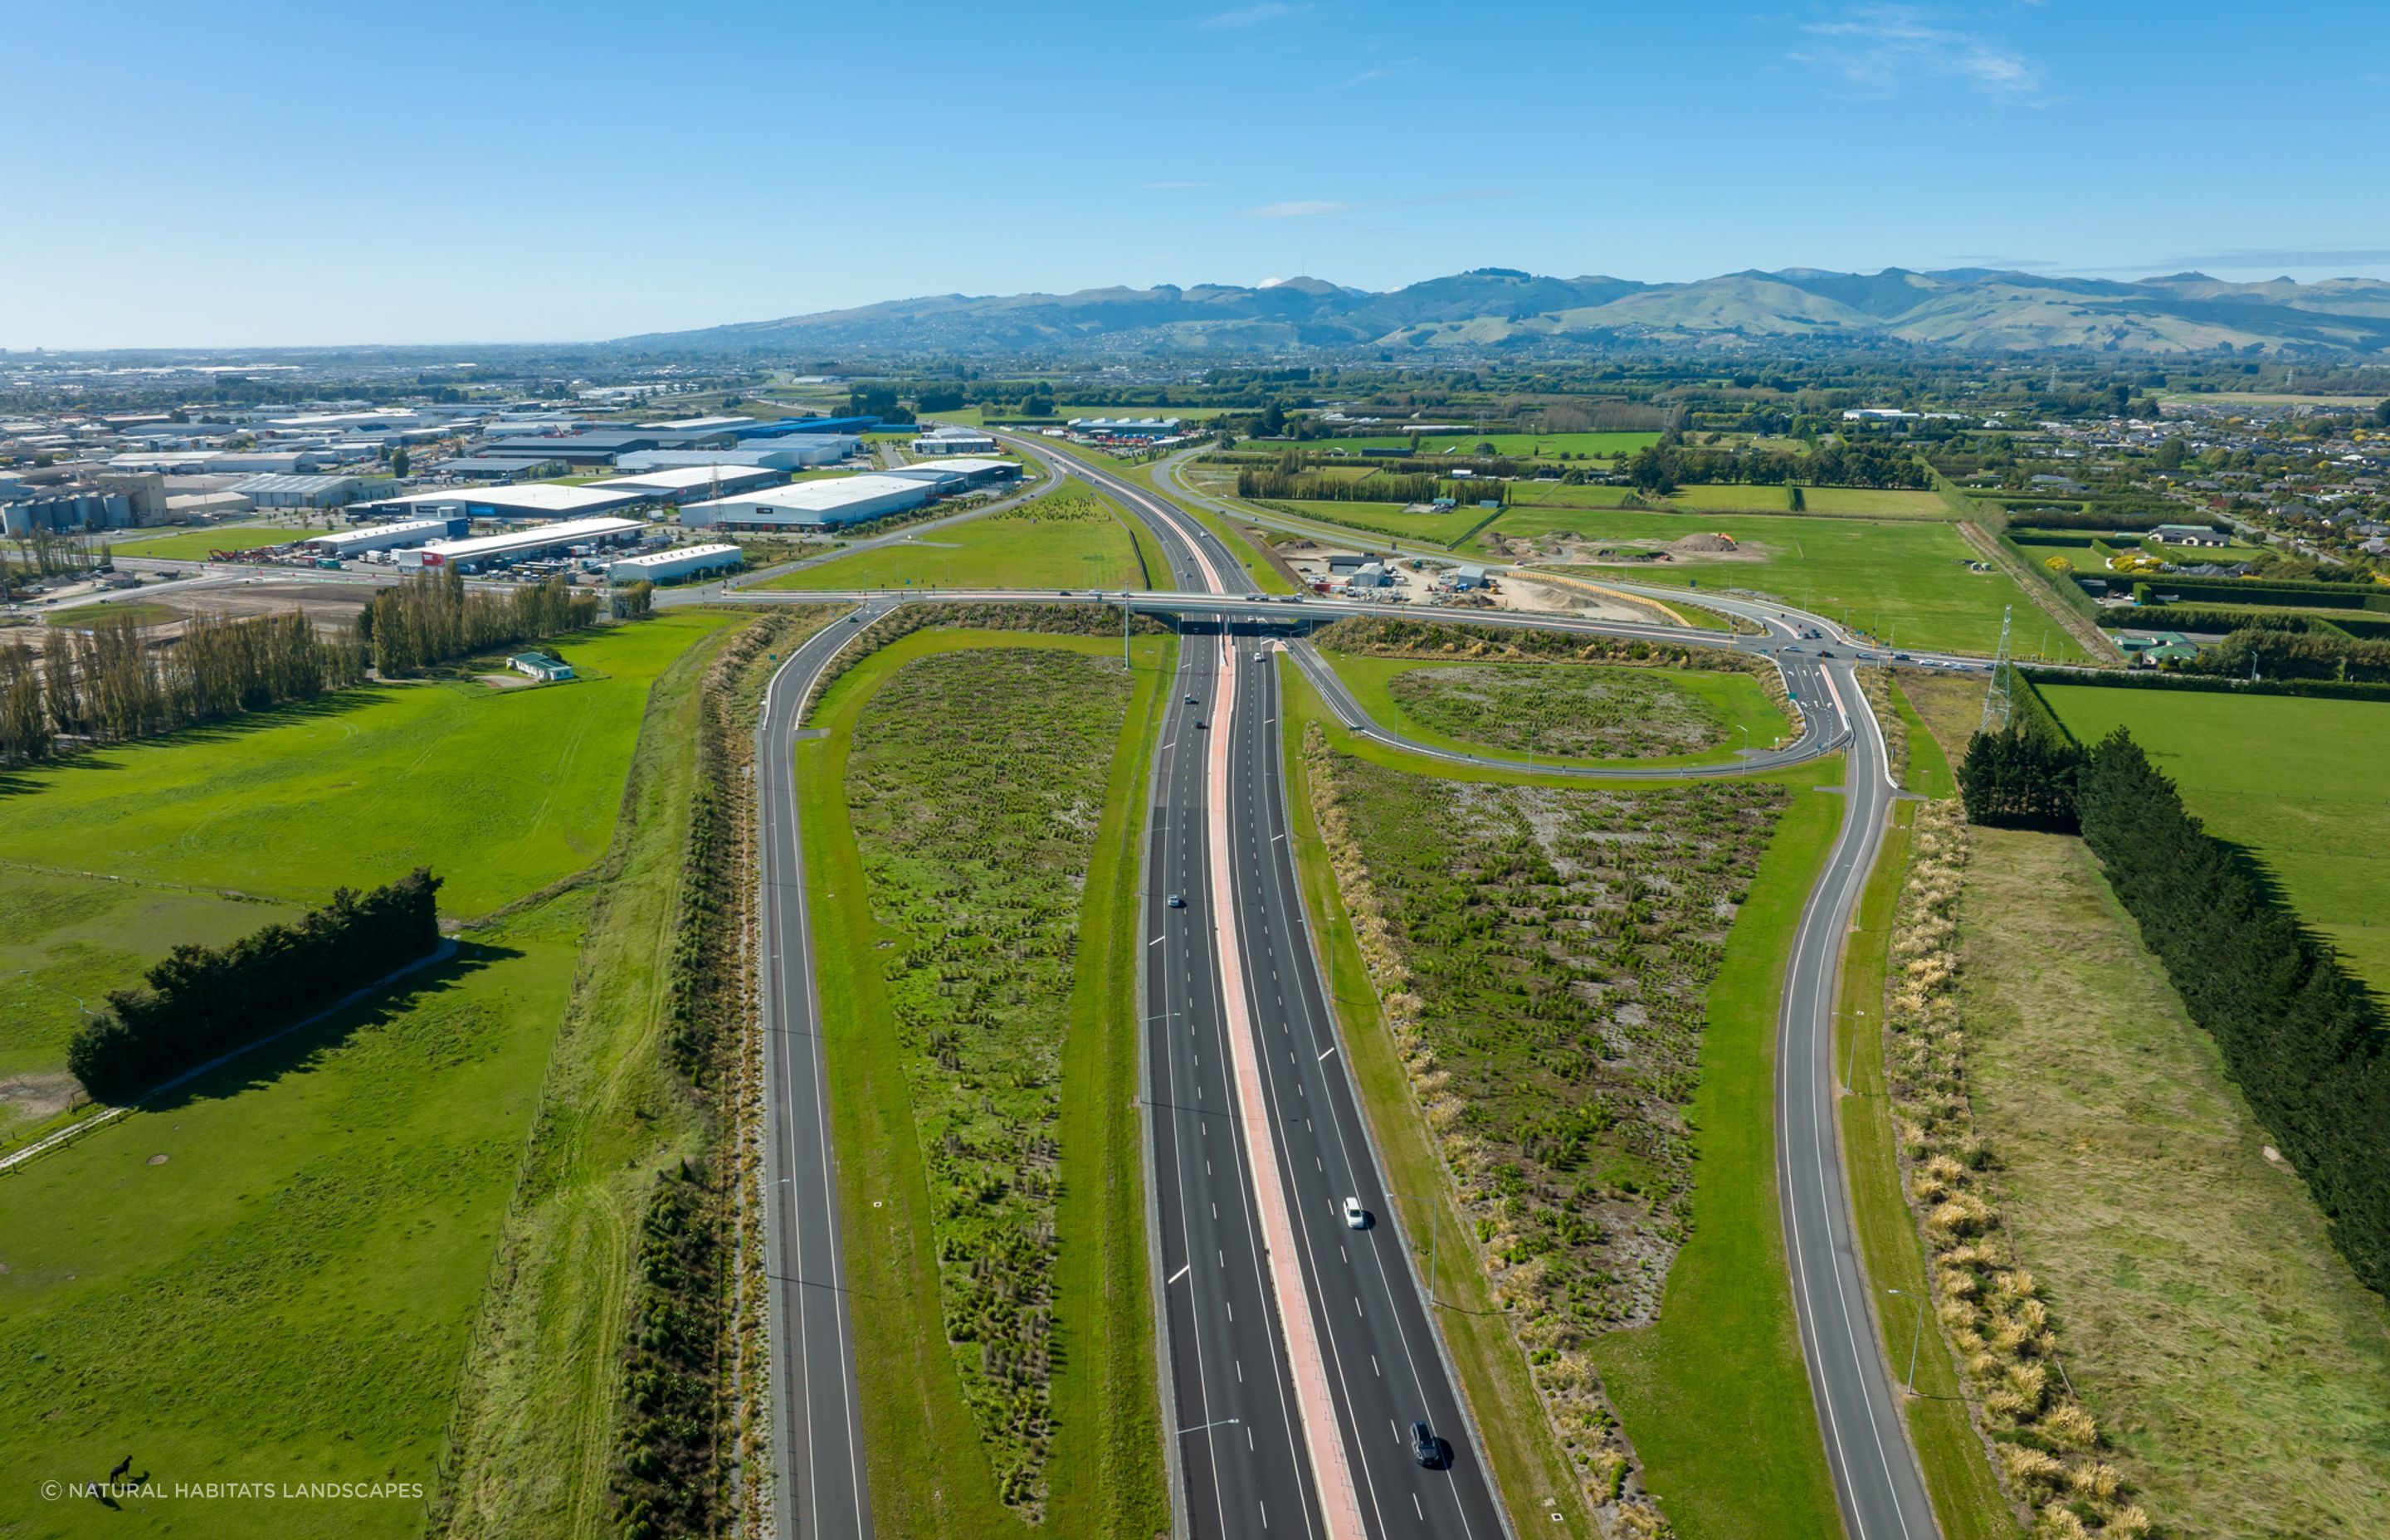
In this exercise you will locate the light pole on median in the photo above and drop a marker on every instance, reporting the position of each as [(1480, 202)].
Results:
[(1916, 1337), (1851, 1059)]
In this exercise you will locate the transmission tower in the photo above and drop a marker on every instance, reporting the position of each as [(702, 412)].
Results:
[(1996, 695)]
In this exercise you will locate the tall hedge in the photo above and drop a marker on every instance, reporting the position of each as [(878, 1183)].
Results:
[(203, 1000), (2019, 778), (2300, 1036)]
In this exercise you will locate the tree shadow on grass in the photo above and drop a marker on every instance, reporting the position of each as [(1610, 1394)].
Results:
[(95, 757), (2268, 886), (305, 1050)]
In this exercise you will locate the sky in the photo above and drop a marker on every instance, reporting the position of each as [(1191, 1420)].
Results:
[(240, 174)]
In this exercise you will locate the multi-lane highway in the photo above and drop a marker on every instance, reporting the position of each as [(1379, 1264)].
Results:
[(1297, 1352)]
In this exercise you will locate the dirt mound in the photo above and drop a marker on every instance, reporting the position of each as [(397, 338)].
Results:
[(1706, 545)]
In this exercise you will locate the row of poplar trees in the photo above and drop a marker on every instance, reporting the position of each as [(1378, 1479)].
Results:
[(431, 618), (2301, 1036), (111, 681)]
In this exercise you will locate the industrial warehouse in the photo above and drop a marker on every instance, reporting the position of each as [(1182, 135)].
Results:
[(574, 537), (678, 562)]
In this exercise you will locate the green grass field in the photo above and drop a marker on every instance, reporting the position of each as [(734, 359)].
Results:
[(1071, 539), (1555, 495), (139, 611), (1865, 502), (2295, 781), (292, 1252), (195, 545), (931, 1472), (1723, 703), (503, 791), (1440, 529), (2238, 1369), (1907, 580), (66, 940)]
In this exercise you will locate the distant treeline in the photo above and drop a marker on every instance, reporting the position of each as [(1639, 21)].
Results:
[(1337, 489), (204, 1000), (108, 684), (430, 619), (1663, 468), (2300, 1036)]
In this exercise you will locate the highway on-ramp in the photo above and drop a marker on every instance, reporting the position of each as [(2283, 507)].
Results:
[(816, 1418)]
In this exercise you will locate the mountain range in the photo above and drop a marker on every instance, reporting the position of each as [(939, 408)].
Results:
[(1493, 310)]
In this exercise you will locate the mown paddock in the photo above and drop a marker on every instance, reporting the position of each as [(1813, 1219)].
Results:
[(2294, 780)]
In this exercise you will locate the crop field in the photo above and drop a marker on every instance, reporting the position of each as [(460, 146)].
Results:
[(195, 545), (2307, 802), (292, 1252), (2235, 1366), (1907, 581), (1388, 519), (981, 998), (1580, 713), (504, 791), (1069, 539)]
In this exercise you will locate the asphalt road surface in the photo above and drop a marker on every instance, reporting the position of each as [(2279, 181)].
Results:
[(817, 1430)]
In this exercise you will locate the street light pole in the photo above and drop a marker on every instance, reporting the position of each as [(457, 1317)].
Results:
[(1851, 1059), (1916, 1335)]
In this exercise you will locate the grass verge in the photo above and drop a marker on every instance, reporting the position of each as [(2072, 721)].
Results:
[(1967, 1498)]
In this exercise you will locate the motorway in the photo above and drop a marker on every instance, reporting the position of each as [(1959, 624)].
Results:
[(1296, 1352), (1877, 1480)]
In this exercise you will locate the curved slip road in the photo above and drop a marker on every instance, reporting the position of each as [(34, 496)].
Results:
[(816, 1419)]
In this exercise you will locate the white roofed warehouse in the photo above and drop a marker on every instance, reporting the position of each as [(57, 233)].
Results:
[(679, 562), (810, 505), (531, 545), (387, 537), (523, 501), (691, 482)]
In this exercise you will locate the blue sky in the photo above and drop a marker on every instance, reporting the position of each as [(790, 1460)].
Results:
[(236, 173)]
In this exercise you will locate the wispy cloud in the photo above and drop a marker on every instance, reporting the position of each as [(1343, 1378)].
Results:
[(1315, 208), (1305, 208), (1878, 50), (1246, 15), (1366, 76)]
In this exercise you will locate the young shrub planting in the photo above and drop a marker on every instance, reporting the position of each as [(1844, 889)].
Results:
[(1989, 1302), (1544, 955), (692, 1453), (201, 1001), (1585, 713), (975, 785)]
